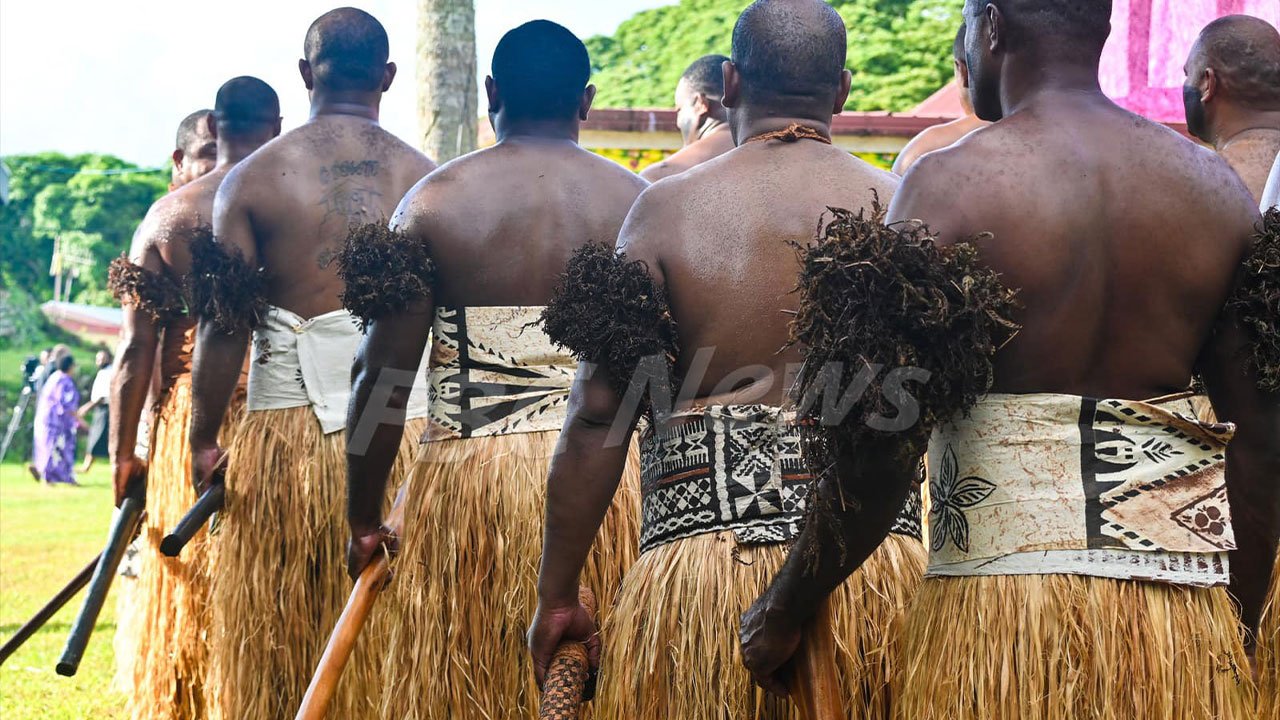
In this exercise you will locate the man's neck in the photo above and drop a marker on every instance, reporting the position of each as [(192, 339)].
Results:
[(536, 130), (747, 122), (231, 152), (710, 128), (1238, 124), (364, 105), (1030, 82)]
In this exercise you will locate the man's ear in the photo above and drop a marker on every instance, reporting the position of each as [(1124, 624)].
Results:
[(491, 94), (846, 82), (304, 69), (211, 124), (388, 75), (995, 19), (588, 97), (1209, 86), (177, 158), (275, 130), (732, 84)]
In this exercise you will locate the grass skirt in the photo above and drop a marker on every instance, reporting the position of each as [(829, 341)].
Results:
[(1269, 652), (465, 581), (162, 641), (671, 647), (1065, 647), (281, 581)]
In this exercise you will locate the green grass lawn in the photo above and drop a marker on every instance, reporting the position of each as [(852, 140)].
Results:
[(46, 535)]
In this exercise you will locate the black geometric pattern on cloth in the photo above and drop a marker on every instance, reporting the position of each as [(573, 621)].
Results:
[(735, 468), (1112, 448), (495, 372)]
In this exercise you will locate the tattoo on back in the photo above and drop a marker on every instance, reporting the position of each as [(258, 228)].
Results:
[(348, 195)]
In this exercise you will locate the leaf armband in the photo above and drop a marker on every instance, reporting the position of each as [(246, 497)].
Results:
[(609, 311), (383, 272), (225, 291)]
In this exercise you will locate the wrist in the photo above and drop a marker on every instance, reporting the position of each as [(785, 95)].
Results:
[(366, 525)]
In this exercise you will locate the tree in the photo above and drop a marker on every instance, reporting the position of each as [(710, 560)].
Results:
[(899, 50), (447, 105), (93, 203)]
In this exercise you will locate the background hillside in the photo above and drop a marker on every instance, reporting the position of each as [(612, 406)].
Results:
[(899, 50)]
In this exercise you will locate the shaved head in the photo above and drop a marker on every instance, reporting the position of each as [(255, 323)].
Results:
[(1064, 25), (347, 50), (1027, 34), (245, 105), (706, 77), (1244, 53), (190, 131), (789, 51)]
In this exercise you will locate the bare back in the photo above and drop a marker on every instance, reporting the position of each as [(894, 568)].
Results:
[(722, 237), (1123, 238), (1252, 157), (502, 223), (162, 242), (291, 203)]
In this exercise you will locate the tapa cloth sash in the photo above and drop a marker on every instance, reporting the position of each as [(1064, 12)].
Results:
[(1061, 484), (731, 467), (300, 362), (494, 371)]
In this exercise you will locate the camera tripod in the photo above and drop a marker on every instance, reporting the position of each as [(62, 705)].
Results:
[(15, 422)]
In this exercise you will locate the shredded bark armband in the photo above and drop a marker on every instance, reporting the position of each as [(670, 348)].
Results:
[(383, 271), (609, 311), (1256, 302), (150, 292), (225, 291), (888, 295)]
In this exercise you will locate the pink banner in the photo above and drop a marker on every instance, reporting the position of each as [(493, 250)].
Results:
[(1142, 65)]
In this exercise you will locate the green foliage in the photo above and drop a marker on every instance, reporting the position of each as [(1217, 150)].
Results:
[(899, 50), (86, 201)]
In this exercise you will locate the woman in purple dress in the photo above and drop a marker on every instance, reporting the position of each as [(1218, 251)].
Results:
[(57, 424)]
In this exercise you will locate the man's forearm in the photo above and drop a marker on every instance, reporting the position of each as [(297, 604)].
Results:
[(214, 373), (581, 484), (1253, 486), (855, 513), (371, 453), (135, 364)]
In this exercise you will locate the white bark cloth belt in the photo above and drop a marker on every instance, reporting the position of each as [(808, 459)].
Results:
[(300, 362)]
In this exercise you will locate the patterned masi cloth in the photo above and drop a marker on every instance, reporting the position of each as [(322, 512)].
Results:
[(1060, 484), (731, 467), (494, 371)]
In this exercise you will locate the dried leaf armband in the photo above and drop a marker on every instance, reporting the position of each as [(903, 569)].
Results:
[(225, 290), (609, 311), (1256, 302), (151, 292), (383, 271), (889, 298)]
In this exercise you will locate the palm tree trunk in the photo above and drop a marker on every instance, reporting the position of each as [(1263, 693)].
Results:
[(447, 102)]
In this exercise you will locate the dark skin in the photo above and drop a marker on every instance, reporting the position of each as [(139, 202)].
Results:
[(720, 230), (161, 245), (704, 127), (1125, 241), (288, 209), (501, 224)]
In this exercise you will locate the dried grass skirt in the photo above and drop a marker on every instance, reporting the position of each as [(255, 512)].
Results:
[(1065, 647), (163, 636), (465, 581), (671, 646), (281, 581)]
